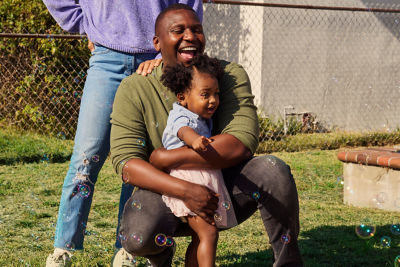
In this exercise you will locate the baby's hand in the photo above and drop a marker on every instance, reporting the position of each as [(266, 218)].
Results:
[(201, 143)]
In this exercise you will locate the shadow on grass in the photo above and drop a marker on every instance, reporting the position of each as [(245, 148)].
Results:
[(56, 158), (332, 246)]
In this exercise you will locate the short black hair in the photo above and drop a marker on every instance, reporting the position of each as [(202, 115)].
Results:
[(179, 78), (170, 8)]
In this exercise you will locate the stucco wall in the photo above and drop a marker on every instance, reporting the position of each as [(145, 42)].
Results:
[(342, 66)]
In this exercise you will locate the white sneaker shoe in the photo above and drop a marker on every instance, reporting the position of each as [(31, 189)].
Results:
[(59, 258), (123, 259)]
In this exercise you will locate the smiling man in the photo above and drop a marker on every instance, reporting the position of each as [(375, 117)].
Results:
[(139, 117)]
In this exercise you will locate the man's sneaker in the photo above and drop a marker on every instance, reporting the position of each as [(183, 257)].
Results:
[(59, 258), (123, 259)]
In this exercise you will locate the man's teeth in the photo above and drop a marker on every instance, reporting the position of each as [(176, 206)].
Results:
[(189, 49)]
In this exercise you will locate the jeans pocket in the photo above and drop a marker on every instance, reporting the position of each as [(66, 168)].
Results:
[(100, 50)]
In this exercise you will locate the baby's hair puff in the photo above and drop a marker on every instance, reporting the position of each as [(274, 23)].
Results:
[(178, 78)]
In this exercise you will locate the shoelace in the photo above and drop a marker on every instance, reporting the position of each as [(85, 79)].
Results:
[(62, 256)]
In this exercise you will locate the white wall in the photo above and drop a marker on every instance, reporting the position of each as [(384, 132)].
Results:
[(343, 66)]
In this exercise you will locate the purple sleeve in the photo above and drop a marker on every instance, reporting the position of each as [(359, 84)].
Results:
[(197, 5), (67, 13)]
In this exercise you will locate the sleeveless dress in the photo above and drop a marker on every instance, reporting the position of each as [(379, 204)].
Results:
[(179, 116)]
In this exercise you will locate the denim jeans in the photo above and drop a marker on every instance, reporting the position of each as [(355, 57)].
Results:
[(264, 183), (106, 70)]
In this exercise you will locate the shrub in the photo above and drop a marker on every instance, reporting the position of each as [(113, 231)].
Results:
[(39, 75)]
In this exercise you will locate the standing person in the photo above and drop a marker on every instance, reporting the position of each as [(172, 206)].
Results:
[(121, 32), (189, 123), (263, 182)]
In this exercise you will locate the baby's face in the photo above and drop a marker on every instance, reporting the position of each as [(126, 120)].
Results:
[(203, 96)]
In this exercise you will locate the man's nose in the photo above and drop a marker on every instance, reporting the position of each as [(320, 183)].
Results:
[(188, 35)]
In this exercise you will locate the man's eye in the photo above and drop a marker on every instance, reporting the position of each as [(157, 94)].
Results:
[(197, 30), (177, 30)]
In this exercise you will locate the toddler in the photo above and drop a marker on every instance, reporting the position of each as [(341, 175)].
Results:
[(189, 123)]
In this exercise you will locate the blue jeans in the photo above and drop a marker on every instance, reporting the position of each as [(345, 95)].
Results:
[(106, 70)]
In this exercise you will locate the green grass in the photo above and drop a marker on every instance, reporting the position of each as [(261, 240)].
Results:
[(30, 147), (30, 192)]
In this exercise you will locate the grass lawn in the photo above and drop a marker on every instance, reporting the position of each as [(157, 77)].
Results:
[(30, 192)]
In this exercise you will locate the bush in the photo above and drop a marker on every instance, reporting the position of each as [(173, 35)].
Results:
[(39, 75), (325, 141)]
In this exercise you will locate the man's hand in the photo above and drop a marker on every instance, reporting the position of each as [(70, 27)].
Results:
[(200, 144), (148, 66), (202, 201)]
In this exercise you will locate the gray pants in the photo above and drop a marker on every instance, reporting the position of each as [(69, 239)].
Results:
[(263, 183)]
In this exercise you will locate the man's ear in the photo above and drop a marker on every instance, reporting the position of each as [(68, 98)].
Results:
[(156, 43), (181, 99)]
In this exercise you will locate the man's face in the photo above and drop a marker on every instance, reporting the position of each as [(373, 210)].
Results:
[(179, 37)]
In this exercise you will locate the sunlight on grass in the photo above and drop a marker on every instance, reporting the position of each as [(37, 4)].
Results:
[(30, 193)]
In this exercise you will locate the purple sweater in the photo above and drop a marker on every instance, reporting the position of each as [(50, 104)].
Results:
[(122, 25)]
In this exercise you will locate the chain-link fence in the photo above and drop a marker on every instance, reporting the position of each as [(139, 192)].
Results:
[(42, 93), (312, 68)]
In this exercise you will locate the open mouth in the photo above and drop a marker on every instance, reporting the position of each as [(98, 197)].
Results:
[(188, 53), (211, 110)]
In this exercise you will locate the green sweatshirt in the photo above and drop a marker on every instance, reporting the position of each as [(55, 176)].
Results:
[(142, 103)]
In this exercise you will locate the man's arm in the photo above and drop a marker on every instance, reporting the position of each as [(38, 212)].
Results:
[(67, 13), (225, 151)]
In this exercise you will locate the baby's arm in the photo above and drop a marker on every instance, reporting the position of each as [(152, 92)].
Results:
[(193, 139)]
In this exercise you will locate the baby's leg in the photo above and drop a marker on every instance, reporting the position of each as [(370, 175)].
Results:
[(204, 240)]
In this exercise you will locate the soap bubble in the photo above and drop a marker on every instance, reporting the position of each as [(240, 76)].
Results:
[(137, 238), (386, 241), (61, 135), (96, 158), (122, 237), (170, 242), (226, 205), (285, 238), (141, 142), (381, 197), (217, 217), (395, 229), (136, 204), (256, 195), (160, 240), (397, 261), (70, 246), (365, 229)]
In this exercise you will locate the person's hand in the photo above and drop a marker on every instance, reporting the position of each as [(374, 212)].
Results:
[(90, 45), (148, 66), (202, 201), (201, 143)]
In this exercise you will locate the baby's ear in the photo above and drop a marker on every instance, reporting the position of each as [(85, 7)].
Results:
[(181, 99)]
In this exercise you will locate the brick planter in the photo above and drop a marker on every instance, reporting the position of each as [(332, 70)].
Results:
[(372, 178)]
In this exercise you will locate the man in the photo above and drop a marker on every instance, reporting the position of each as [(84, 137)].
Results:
[(121, 32), (139, 117)]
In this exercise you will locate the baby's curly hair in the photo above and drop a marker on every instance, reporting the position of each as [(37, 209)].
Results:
[(179, 78)]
